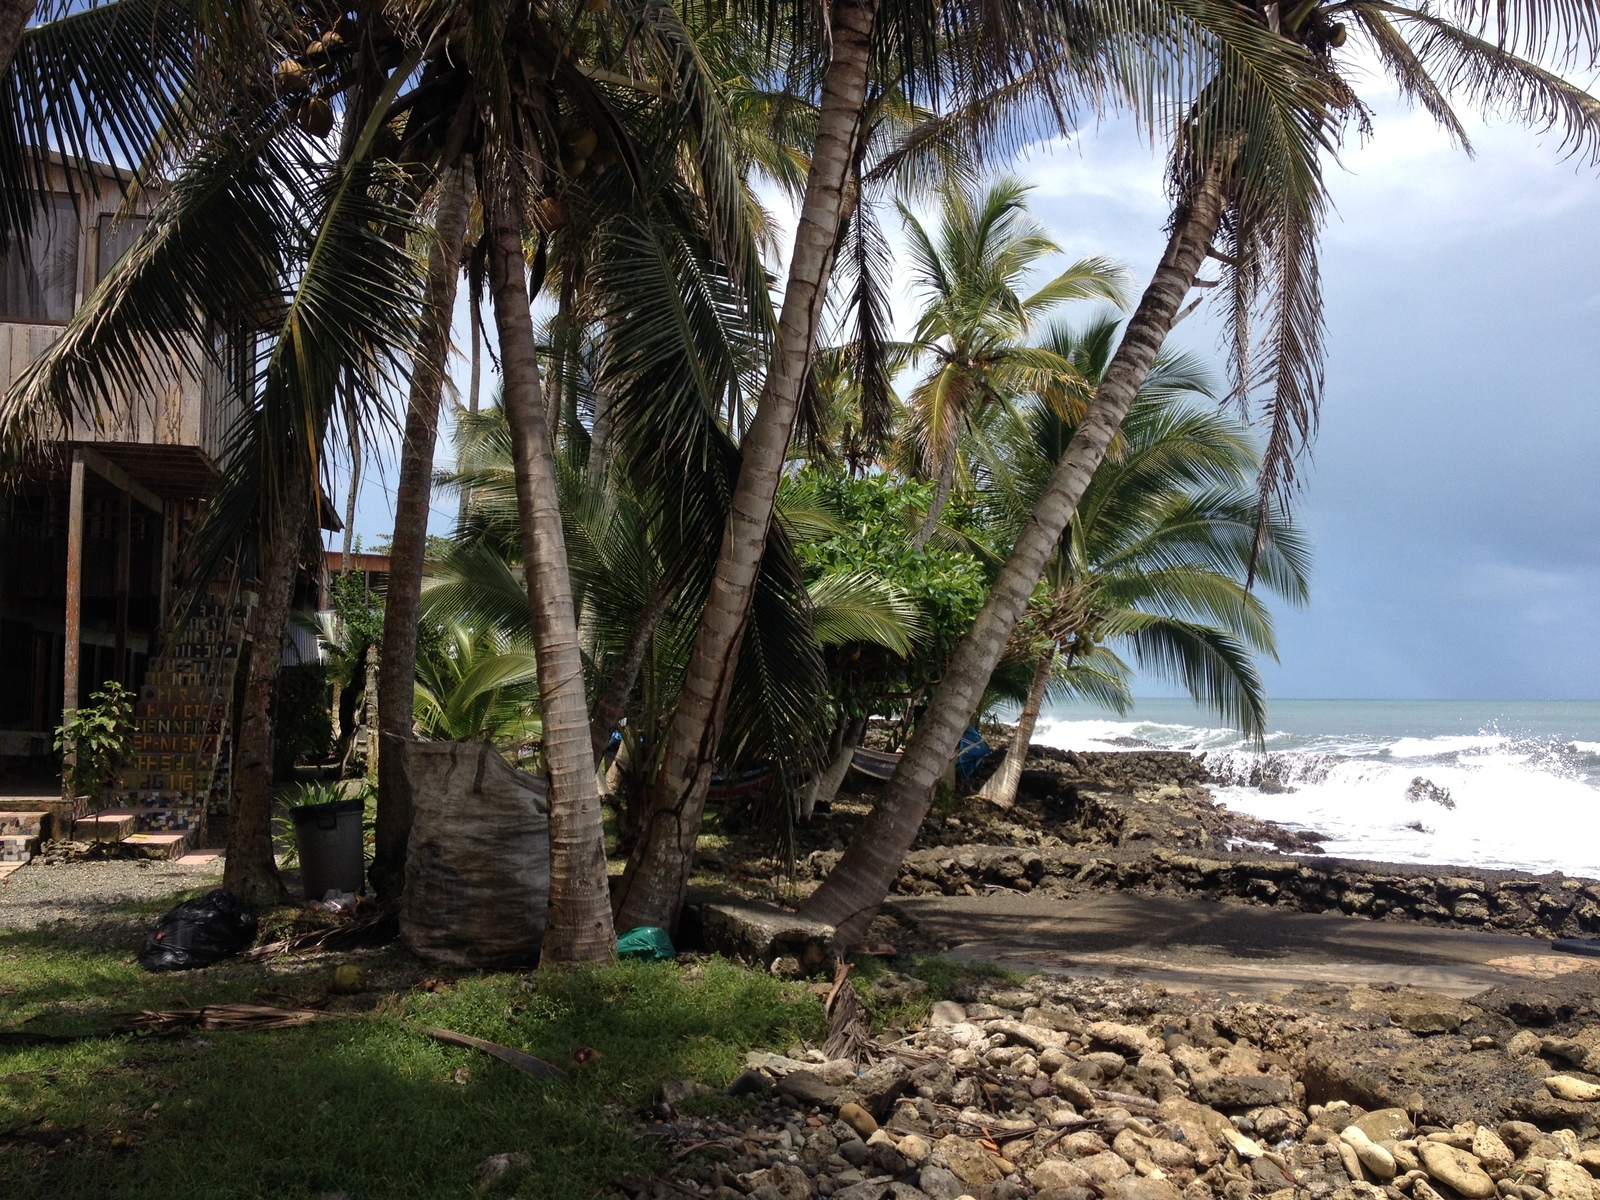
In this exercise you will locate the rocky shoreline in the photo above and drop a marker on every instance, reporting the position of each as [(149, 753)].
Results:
[(1146, 821), (1084, 1090)]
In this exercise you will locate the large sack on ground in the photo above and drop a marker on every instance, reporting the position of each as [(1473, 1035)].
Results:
[(478, 863)]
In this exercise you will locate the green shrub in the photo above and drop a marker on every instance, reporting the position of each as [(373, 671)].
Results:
[(99, 736)]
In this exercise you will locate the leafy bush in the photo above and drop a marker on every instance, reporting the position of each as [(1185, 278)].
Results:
[(876, 515), (99, 736)]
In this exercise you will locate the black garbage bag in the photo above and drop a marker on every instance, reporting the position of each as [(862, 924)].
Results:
[(199, 932)]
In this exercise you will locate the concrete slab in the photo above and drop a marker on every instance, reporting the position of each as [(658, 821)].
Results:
[(8, 868), (201, 858), (108, 825), (158, 845), (1185, 943)]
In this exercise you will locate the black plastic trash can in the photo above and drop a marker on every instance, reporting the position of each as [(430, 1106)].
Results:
[(329, 838)]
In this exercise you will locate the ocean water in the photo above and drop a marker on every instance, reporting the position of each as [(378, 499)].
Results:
[(1514, 784)]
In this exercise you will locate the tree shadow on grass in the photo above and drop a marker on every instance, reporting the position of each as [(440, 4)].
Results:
[(370, 1106)]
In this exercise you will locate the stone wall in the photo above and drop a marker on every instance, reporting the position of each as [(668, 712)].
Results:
[(1545, 906)]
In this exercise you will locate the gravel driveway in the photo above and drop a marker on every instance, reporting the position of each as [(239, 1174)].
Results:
[(38, 894)]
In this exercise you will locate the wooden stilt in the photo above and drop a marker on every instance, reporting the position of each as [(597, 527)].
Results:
[(119, 665), (74, 611)]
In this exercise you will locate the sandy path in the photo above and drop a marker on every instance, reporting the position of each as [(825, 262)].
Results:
[(1188, 943)]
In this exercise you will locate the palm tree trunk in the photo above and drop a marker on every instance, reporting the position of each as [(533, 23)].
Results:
[(854, 889), (397, 668), (612, 703), (825, 786), (580, 928), (473, 388), (14, 18), (658, 871), (354, 432), (941, 497), (1001, 788), (251, 871)]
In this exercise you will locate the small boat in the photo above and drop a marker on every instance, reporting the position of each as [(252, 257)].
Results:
[(880, 764)]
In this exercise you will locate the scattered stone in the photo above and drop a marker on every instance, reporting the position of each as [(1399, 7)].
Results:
[(1567, 1181), (1373, 1156), (1568, 1087), (877, 1089), (749, 1082), (1413, 1008), (1385, 1125), (1241, 1091), (939, 1183), (969, 1162), (1490, 1150), (1524, 1044), (915, 1149), (500, 1173), (858, 1118), (1456, 1168), (808, 1088), (943, 1013)]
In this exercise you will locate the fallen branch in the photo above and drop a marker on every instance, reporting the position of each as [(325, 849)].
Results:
[(371, 930), (535, 1068), (848, 1035), (218, 1017)]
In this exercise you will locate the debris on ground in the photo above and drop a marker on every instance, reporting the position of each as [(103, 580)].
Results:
[(219, 1017), (521, 1060), (200, 932)]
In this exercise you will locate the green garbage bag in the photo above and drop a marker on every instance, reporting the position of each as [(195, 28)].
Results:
[(647, 941)]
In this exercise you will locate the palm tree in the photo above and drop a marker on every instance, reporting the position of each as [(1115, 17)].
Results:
[(1158, 554), (994, 79), (975, 317), (397, 664), (1245, 168), (478, 684)]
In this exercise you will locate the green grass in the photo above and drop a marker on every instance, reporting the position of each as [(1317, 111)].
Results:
[(363, 1104)]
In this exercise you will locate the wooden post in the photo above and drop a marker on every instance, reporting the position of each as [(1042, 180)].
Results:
[(74, 612), (119, 666)]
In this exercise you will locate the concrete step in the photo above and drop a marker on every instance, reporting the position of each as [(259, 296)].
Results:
[(158, 845), (18, 848), (7, 868), (166, 820), (28, 824), (199, 858), (108, 825)]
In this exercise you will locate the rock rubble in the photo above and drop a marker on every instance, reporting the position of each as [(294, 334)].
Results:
[(1093, 1090)]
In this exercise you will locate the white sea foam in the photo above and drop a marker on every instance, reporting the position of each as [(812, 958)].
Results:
[(1524, 802)]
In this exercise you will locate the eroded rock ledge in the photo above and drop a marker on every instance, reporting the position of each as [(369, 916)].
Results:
[(1544, 906)]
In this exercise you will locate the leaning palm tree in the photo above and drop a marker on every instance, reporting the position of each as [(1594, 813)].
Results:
[(1157, 557), (996, 76), (976, 319), (1245, 169)]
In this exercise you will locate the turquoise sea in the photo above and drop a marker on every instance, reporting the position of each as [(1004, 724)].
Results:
[(1514, 783)]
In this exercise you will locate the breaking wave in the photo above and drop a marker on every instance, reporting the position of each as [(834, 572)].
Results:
[(1520, 798)]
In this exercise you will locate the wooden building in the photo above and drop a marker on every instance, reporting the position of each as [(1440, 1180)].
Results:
[(89, 534)]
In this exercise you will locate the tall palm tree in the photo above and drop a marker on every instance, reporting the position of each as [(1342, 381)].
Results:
[(1000, 72), (975, 318), (1157, 556), (1245, 168), (397, 665)]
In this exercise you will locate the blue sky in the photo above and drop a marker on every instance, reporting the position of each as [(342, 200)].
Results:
[(1454, 494)]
